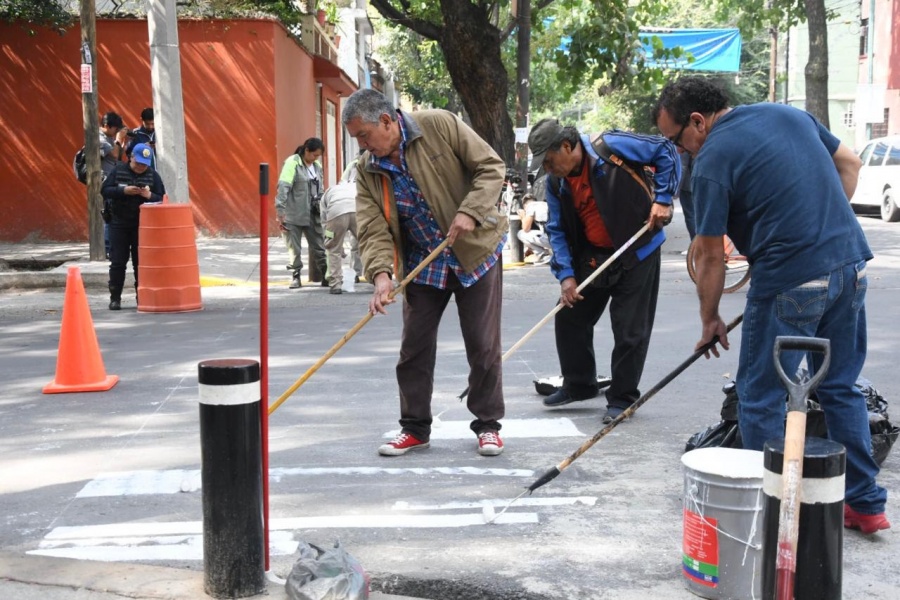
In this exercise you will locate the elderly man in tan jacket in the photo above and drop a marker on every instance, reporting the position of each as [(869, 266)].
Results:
[(423, 178)]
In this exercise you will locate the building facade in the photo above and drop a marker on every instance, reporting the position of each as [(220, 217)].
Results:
[(252, 93)]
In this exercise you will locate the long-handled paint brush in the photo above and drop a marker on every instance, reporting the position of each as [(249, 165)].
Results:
[(559, 306), (552, 473), (355, 329)]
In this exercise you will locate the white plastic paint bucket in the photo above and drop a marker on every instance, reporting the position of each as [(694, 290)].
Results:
[(723, 504)]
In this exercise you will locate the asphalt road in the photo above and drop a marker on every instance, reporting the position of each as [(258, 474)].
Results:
[(114, 475)]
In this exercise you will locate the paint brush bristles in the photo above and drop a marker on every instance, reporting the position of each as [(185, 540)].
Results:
[(493, 519)]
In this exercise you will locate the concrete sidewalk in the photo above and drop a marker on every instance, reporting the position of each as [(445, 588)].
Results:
[(222, 261), (26, 577)]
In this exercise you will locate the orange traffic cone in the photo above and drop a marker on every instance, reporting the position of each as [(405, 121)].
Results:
[(79, 366)]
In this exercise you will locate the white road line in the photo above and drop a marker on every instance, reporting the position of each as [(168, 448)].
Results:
[(183, 540), (512, 428), (136, 483), (186, 528), (586, 500), (173, 547)]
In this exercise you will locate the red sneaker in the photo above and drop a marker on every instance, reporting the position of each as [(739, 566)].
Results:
[(489, 443), (867, 524), (401, 444)]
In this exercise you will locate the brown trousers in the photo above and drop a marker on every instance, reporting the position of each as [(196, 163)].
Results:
[(478, 307)]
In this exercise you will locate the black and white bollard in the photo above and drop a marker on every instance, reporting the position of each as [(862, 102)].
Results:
[(231, 474), (821, 531)]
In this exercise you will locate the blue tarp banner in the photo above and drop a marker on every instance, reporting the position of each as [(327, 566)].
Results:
[(712, 49)]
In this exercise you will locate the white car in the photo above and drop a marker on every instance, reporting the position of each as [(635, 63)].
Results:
[(879, 177)]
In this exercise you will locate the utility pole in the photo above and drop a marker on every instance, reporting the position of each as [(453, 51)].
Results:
[(870, 60), (168, 104), (773, 64), (523, 99), (90, 116)]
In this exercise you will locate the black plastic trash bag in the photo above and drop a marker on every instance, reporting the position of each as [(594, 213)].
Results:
[(883, 436), (326, 575), (727, 434), (724, 434)]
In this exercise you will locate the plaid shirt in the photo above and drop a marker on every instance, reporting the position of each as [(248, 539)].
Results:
[(421, 234)]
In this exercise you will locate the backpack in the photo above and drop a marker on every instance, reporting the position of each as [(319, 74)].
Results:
[(79, 166)]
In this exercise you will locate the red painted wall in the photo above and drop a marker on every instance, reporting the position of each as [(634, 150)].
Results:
[(246, 89)]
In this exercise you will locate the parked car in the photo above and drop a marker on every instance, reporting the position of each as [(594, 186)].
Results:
[(879, 177)]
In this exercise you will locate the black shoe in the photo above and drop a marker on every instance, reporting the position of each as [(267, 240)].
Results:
[(295, 283), (612, 412), (336, 290), (559, 398), (356, 279), (115, 304), (324, 283)]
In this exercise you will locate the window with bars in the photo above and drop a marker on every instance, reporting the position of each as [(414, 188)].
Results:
[(848, 119), (881, 129), (863, 37)]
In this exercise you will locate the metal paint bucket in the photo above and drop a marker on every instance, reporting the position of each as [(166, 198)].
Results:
[(723, 504)]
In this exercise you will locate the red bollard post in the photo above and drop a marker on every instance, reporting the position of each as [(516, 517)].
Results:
[(264, 340)]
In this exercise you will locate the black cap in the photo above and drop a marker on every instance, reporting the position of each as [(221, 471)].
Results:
[(543, 135)]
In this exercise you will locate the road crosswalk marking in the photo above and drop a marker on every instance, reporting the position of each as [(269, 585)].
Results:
[(512, 428)]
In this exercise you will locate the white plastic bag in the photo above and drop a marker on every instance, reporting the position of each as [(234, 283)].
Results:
[(326, 575)]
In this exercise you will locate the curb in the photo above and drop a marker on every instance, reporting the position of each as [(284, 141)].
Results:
[(137, 581)]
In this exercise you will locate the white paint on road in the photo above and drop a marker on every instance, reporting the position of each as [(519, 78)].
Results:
[(585, 500), (137, 483), (512, 428), (184, 541)]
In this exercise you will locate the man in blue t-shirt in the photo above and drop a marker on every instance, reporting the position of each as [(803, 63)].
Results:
[(776, 181)]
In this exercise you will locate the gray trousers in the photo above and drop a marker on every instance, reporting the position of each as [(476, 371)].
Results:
[(336, 230), (478, 307), (314, 238)]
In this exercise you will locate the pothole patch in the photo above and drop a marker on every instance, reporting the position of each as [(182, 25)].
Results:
[(451, 589)]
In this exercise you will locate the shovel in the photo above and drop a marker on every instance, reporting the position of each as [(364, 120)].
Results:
[(792, 469)]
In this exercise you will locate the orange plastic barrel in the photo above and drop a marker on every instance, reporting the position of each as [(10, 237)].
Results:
[(168, 271)]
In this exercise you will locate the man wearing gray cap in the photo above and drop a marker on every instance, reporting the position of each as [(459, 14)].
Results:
[(599, 194)]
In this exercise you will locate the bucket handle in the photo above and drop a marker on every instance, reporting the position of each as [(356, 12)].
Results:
[(697, 507)]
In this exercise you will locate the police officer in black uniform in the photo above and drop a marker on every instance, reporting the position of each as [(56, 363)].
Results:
[(126, 187)]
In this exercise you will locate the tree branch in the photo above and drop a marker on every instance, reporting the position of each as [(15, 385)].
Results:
[(511, 26), (402, 17)]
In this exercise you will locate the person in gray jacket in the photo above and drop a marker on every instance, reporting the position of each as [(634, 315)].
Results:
[(300, 188)]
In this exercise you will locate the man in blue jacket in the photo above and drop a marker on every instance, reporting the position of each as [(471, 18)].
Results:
[(599, 195)]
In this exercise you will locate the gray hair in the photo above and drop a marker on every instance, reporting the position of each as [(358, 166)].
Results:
[(368, 105), (569, 134)]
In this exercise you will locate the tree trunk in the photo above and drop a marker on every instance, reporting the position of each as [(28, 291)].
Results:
[(817, 67), (471, 47)]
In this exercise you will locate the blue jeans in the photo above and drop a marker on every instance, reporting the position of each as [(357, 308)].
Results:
[(832, 307)]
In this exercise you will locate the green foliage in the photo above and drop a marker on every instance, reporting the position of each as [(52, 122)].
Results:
[(285, 11), (419, 63), (36, 12)]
